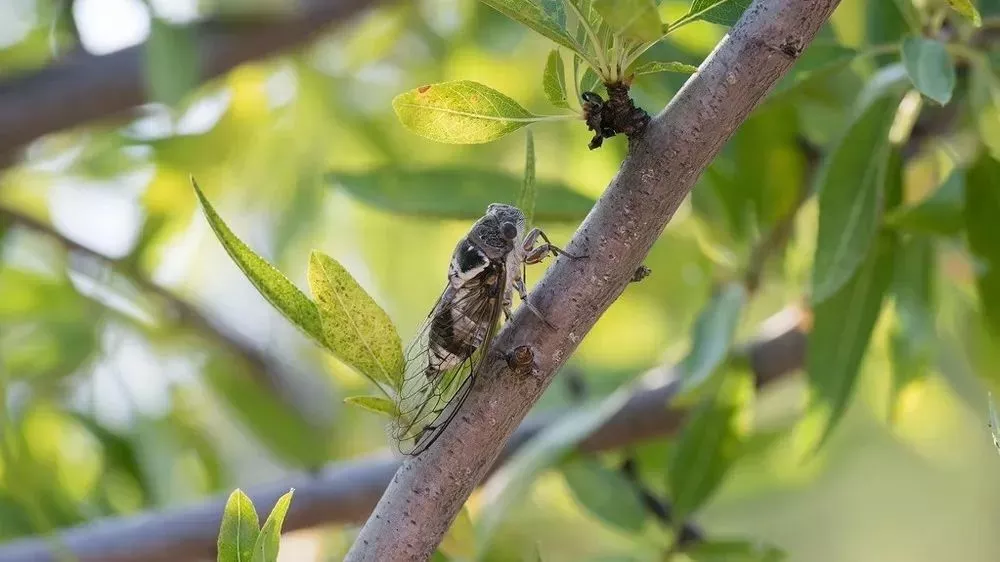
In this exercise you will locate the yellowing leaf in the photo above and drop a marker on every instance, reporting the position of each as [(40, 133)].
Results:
[(375, 404), (239, 529), (266, 547), (460, 112), (355, 328), (271, 283), (967, 9)]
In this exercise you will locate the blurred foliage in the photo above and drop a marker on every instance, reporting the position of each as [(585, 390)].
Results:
[(140, 369)]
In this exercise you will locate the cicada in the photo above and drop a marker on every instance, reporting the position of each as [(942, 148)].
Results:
[(487, 268)]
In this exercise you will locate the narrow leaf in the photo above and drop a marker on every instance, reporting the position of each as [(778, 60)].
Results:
[(458, 193), (819, 60), (637, 20), (554, 80), (994, 423), (266, 547), (912, 342), (722, 12), (967, 9), (734, 551), (606, 494), (460, 541), (941, 213), (984, 98), (534, 16), (850, 198), (708, 446), (271, 283), (526, 201), (982, 209), (172, 65), (239, 529), (376, 404), (357, 330), (930, 68), (460, 112), (713, 334), (657, 66)]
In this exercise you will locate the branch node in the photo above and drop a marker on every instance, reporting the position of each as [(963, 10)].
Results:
[(641, 273), (616, 115), (521, 360)]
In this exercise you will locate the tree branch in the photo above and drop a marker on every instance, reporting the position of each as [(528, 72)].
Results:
[(346, 492), (83, 88), (662, 166)]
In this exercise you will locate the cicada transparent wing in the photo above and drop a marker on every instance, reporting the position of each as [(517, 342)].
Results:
[(444, 357)]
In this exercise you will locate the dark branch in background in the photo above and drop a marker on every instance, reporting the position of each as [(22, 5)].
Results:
[(260, 367), (662, 166), (83, 88), (346, 492)]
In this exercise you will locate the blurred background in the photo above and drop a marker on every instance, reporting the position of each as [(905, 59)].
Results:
[(140, 370)]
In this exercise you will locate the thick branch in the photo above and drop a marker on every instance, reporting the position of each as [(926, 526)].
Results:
[(346, 492), (660, 170), (83, 88)]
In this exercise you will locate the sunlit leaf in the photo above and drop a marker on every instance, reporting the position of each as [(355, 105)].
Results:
[(460, 112), (722, 12), (459, 193), (529, 191), (459, 543), (713, 333), (638, 20), (356, 329), (239, 530), (657, 66), (967, 9), (930, 68), (534, 16), (271, 283), (984, 98), (554, 80), (377, 404), (982, 209), (606, 494), (172, 65), (734, 551), (266, 547), (709, 444), (850, 198), (939, 214)]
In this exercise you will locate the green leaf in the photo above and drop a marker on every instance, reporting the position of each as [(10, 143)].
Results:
[(819, 60), (271, 283), (638, 20), (458, 193), (589, 81), (657, 66), (708, 446), (529, 191), (912, 341), (357, 330), (722, 12), (850, 198), (842, 327), (554, 80), (460, 541), (930, 68), (534, 16), (266, 547), (460, 112), (967, 9), (172, 65), (994, 423), (511, 483), (376, 404), (982, 209), (239, 529), (938, 214), (734, 551), (984, 97), (606, 494), (713, 334), (556, 11)]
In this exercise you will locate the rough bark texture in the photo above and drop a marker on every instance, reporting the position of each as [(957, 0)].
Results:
[(346, 492), (662, 166), (83, 88)]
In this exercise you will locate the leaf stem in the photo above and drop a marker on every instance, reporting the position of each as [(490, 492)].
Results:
[(602, 60)]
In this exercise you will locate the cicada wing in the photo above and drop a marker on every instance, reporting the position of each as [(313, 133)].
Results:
[(426, 404)]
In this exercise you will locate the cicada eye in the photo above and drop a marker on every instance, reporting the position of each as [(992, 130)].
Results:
[(508, 230)]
